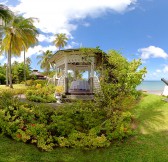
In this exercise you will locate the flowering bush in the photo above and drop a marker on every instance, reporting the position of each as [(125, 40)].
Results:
[(59, 90), (78, 125)]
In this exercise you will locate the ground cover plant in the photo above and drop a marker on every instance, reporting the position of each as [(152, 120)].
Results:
[(148, 144)]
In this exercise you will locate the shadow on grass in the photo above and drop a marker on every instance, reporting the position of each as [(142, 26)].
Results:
[(151, 115)]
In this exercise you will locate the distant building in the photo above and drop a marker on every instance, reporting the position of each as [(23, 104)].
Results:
[(37, 75)]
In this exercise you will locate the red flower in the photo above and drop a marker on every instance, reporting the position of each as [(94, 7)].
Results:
[(19, 136)]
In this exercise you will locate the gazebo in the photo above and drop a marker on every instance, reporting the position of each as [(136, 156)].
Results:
[(75, 60)]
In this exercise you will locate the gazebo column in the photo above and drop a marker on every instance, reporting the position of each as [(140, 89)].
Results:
[(91, 76), (88, 74), (55, 78), (66, 75), (75, 76)]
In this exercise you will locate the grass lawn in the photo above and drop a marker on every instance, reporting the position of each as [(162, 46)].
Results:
[(150, 144), (15, 86)]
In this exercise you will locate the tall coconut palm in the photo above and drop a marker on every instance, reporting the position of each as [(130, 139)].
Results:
[(28, 61), (6, 16), (5, 13), (60, 40), (20, 34), (44, 60), (31, 34)]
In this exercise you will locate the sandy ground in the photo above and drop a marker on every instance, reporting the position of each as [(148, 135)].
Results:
[(154, 92)]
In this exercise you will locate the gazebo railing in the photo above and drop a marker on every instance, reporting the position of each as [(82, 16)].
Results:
[(61, 81), (96, 84)]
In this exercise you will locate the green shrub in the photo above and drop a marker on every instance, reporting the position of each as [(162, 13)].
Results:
[(35, 82), (13, 91), (42, 82), (79, 125), (41, 94), (29, 82), (85, 125)]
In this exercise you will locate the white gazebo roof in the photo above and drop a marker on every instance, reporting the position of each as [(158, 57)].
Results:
[(76, 58)]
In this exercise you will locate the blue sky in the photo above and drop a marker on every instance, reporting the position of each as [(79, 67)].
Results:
[(138, 28)]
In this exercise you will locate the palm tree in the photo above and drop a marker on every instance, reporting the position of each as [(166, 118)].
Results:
[(60, 40), (20, 34), (31, 34), (6, 16), (44, 60), (28, 61), (5, 13)]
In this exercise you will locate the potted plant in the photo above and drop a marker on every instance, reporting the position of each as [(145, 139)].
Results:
[(58, 93)]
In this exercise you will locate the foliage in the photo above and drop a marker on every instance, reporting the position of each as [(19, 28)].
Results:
[(86, 125), (44, 60), (150, 146), (5, 14), (59, 89), (119, 79), (97, 52), (2, 74), (2, 78), (38, 93), (17, 90), (79, 125), (60, 40), (35, 82), (18, 72), (19, 34)]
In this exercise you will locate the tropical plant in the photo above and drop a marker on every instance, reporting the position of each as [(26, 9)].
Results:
[(5, 14), (60, 40), (59, 90), (44, 60), (18, 71), (20, 34), (31, 41), (28, 61), (119, 79), (2, 74)]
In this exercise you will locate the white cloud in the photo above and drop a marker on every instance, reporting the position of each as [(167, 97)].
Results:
[(158, 71), (56, 16), (37, 50), (64, 17), (75, 44), (43, 38), (165, 69), (86, 24), (2, 57), (152, 52)]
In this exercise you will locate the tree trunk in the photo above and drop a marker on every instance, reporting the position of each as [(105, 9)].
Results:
[(7, 74), (25, 67), (10, 67), (7, 77)]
